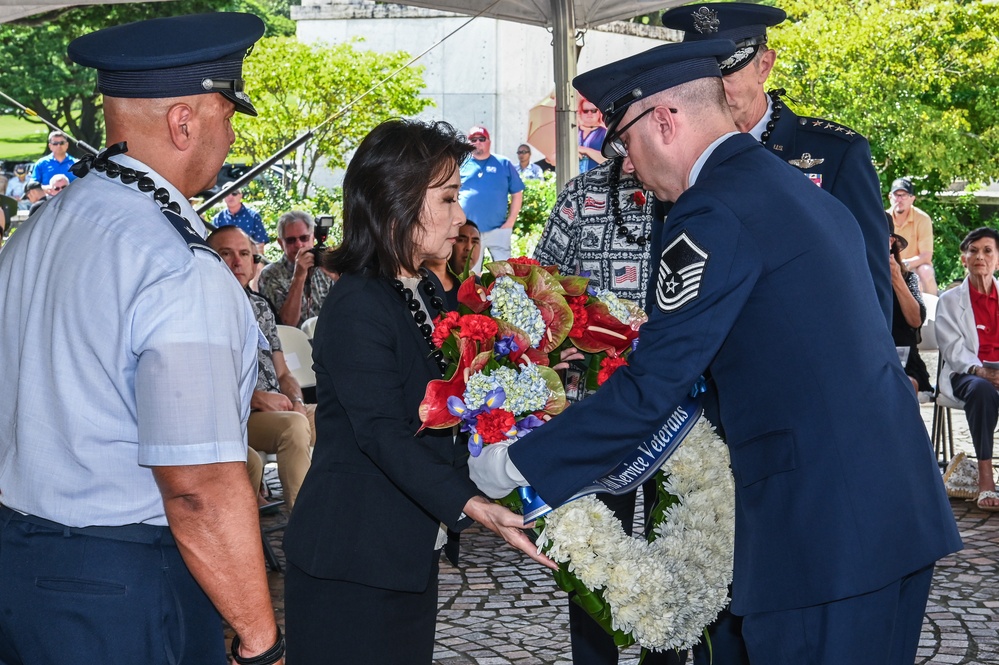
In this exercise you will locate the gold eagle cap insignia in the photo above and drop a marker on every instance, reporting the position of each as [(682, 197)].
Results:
[(706, 20), (806, 161)]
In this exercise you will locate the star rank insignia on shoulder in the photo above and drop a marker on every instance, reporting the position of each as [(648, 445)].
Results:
[(823, 126), (806, 161)]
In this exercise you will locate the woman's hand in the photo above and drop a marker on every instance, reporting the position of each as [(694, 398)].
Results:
[(568, 355), (507, 524), (897, 280)]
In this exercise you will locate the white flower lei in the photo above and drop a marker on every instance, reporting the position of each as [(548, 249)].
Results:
[(664, 593)]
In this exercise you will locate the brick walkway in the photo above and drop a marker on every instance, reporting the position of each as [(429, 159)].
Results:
[(499, 608)]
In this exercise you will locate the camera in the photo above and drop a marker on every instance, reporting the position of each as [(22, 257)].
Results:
[(321, 232)]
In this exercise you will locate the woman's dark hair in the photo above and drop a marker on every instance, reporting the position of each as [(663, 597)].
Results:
[(384, 191), (978, 234)]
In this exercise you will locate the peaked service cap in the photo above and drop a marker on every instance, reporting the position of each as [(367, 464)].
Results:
[(613, 88), (173, 56), (744, 23)]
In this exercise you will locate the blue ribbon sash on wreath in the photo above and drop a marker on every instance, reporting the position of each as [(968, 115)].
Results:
[(638, 466)]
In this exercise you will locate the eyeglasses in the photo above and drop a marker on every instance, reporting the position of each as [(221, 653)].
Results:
[(523, 152), (236, 193), (57, 142), (299, 239), (901, 195), (57, 189), (614, 140), (478, 139), (588, 110)]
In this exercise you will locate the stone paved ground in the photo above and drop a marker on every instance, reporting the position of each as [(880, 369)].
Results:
[(501, 609)]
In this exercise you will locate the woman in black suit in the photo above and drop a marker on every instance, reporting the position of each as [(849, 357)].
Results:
[(364, 540)]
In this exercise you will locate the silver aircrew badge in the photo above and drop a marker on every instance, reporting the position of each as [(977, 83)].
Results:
[(706, 21), (806, 161)]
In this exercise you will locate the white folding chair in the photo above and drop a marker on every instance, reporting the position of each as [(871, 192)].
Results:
[(297, 354), (309, 327), (928, 342)]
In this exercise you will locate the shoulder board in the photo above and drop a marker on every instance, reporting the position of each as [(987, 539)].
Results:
[(823, 126)]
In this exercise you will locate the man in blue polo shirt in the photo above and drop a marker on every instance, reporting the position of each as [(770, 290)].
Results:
[(248, 219), (56, 162), (488, 183)]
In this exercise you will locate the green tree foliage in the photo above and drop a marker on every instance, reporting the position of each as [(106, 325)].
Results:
[(296, 87), (39, 75), (539, 199), (919, 78)]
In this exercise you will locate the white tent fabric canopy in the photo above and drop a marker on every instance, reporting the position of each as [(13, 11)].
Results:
[(11, 11)]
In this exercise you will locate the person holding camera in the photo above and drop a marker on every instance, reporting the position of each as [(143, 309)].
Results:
[(296, 285)]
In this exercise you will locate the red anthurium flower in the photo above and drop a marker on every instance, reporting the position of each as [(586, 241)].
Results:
[(574, 285), (433, 409), (638, 198), (603, 332), (472, 295)]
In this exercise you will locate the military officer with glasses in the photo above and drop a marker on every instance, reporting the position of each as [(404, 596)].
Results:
[(833, 156), (128, 525), (833, 557)]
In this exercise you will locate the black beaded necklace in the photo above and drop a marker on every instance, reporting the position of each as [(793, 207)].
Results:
[(622, 229), (778, 106), (427, 288)]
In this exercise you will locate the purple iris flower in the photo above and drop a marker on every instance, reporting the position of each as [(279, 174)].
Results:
[(528, 423), (505, 345)]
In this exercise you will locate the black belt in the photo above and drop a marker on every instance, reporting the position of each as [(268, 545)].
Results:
[(146, 534)]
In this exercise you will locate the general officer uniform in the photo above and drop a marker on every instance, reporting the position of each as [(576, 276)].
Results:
[(831, 155), (840, 511), (126, 345)]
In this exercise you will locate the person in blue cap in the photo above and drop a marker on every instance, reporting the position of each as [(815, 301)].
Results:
[(128, 523), (840, 511), (831, 155)]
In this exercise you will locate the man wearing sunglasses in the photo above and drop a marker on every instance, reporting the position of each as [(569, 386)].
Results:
[(296, 285), (491, 194), (57, 161)]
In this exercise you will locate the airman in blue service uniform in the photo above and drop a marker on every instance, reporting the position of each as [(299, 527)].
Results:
[(831, 155), (840, 509), (128, 523)]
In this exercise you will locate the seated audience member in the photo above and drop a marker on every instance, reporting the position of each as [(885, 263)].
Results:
[(33, 193), (917, 228), (280, 420), (467, 249), (296, 285), (967, 327), (908, 315), (246, 218), (58, 183), (16, 185)]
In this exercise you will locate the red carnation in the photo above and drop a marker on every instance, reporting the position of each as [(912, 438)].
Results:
[(477, 328), (607, 367), (495, 425), (443, 326), (639, 198), (523, 260), (579, 317)]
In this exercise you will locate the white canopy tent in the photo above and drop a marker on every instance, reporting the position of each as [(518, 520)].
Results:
[(564, 18)]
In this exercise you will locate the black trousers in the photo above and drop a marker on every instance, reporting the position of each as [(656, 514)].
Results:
[(332, 622)]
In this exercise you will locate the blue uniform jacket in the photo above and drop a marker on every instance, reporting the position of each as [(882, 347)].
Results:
[(837, 490), (839, 159)]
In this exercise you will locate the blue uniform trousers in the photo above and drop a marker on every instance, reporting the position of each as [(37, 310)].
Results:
[(877, 628), (981, 406), (100, 595)]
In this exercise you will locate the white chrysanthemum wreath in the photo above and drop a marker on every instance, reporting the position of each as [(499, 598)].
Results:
[(665, 592)]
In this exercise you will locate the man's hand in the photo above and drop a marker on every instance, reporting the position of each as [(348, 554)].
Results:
[(990, 375), (304, 260), (267, 401), (507, 524), (493, 472)]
